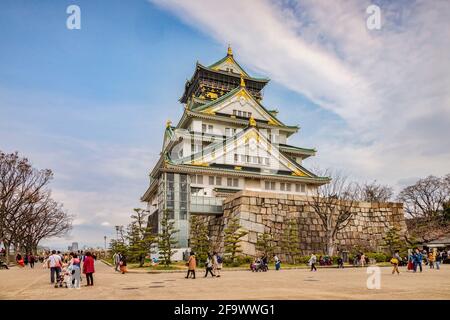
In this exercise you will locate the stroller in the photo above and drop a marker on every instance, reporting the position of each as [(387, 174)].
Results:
[(259, 265), (64, 278)]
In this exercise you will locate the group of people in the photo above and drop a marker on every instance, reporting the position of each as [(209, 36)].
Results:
[(213, 265), (67, 268), (120, 262), (27, 259)]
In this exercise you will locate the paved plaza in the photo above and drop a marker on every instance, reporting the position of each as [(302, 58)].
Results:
[(349, 283)]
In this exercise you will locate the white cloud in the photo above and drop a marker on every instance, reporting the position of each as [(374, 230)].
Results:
[(389, 86)]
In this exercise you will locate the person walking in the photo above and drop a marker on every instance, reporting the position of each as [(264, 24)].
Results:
[(54, 264), (363, 260), (277, 262), (31, 260), (340, 263), (123, 263), (217, 264), (418, 260), (312, 262), (74, 267), (192, 264), (116, 259), (438, 260), (395, 262), (431, 258), (88, 269), (209, 266)]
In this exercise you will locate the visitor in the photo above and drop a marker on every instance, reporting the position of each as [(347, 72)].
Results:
[(357, 260), (217, 264), (418, 260), (340, 263), (277, 262), (19, 260), (88, 269), (265, 262), (25, 259), (123, 263), (31, 260), (363, 260), (209, 266), (395, 262), (431, 258), (75, 269), (116, 259), (312, 262), (55, 264), (192, 264), (438, 260)]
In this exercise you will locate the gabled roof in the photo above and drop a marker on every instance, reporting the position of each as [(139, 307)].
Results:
[(229, 59), (209, 107), (221, 148)]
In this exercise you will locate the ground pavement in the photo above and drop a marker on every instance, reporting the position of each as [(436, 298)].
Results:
[(349, 283)]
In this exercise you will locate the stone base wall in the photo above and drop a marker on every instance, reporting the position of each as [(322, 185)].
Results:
[(260, 212)]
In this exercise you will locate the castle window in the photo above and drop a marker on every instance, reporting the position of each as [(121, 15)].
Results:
[(288, 187), (211, 181), (234, 112), (297, 187), (219, 181), (229, 182), (235, 182), (203, 128), (249, 114), (244, 114), (303, 187), (239, 113), (282, 186), (210, 128)]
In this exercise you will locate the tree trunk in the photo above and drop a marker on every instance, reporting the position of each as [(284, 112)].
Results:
[(330, 245), (6, 252)]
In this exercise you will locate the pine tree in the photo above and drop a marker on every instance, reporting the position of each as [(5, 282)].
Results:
[(166, 241), (392, 240), (199, 241), (233, 234), (139, 236), (290, 241), (265, 244)]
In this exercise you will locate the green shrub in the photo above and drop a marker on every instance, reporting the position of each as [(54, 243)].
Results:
[(377, 256)]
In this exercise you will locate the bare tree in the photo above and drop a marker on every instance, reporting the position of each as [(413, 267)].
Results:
[(375, 192), (25, 203), (334, 204), (426, 198)]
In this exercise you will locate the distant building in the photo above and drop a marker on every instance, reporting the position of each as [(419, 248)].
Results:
[(74, 246)]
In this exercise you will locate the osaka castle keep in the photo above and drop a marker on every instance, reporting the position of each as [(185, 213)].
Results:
[(227, 145)]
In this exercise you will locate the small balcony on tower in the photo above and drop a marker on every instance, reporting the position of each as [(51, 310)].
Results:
[(206, 205)]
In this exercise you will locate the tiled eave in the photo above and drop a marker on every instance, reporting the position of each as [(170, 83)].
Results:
[(188, 114), (190, 169)]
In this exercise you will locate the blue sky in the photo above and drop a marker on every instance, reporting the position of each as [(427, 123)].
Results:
[(91, 104)]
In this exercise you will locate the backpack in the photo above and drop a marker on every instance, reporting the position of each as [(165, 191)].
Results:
[(219, 259)]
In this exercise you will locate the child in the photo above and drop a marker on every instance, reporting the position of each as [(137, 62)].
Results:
[(394, 262)]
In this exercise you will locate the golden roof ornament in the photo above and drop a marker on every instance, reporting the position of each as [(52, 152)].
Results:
[(242, 81), (252, 121), (229, 51), (168, 123)]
